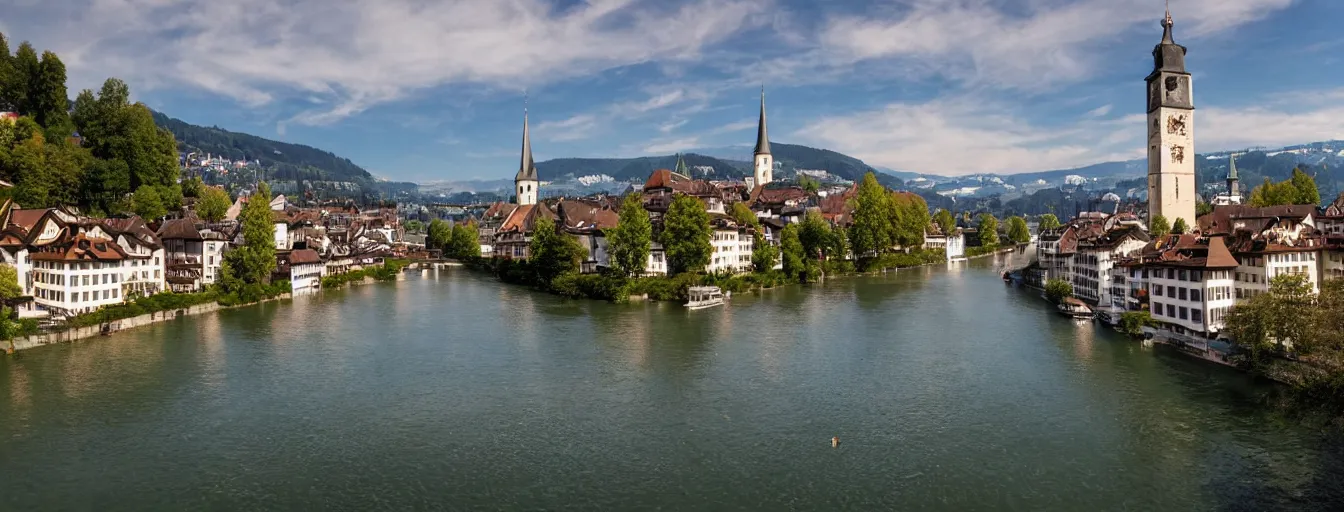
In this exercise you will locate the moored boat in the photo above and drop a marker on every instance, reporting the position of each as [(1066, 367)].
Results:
[(1075, 308), (701, 297)]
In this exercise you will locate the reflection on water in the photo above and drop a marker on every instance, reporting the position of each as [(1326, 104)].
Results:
[(951, 391)]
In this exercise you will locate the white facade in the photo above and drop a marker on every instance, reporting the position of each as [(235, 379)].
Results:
[(212, 260), (1191, 301), (732, 251), (527, 191), (764, 170), (281, 235), (74, 287), (306, 278), (1093, 268), (1171, 133)]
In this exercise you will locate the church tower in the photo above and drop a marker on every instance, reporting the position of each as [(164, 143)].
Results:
[(764, 171), (1232, 178), (1171, 133), (525, 183)]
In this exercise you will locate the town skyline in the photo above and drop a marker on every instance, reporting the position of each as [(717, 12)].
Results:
[(888, 84)]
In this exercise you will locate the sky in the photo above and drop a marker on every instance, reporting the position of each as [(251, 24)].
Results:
[(429, 90)]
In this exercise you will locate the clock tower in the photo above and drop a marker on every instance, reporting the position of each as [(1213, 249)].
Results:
[(1171, 133)]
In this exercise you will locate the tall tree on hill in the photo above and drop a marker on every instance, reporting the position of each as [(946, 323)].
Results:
[(911, 221), (51, 103), (791, 248), (1306, 188), (115, 129), (464, 242), (628, 243), (148, 204), (872, 227), (988, 226), (945, 221), (213, 204), (248, 268), (686, 234), (6, 76), (438, 236), (24, 71)]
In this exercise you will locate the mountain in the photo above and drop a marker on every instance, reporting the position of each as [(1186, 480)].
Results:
[(637, 169)]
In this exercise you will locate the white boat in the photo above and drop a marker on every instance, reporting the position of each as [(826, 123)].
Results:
[(1075, 308), (701, 297)]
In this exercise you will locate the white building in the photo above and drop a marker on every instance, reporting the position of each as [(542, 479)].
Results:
[(79, 276), (305, 271), (953, 246), (1193, 297), (1095, 260), (732, 250)]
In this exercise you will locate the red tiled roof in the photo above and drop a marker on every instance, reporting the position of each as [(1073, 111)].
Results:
[(579, 215), (1223, 219), (82, 248), (179, 229), (525, 217), (26, 219), (304, 257)]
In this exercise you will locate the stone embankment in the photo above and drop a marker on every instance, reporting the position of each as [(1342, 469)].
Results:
[(79, 333)]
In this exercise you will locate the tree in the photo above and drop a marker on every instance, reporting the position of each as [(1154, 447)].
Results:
[(25, 69), (742, 215), (1018, 232), (213, 204), (1269, 323), (147, 203), (815, 235), (872, 228), (1306, 188), (553, 253), (193, 187), (1056, 290), (686, 235), (1133, 322), (463, 243), (439, 235), (9, 283), (247, 268), (911, 219), (1202, 208), (1158, 226), (809, 184), (763, 255), (1049, 221), (988, 226), (793, 253), (628, 243), (1180, 227), (945, 221), (49, 98), (6, 76)]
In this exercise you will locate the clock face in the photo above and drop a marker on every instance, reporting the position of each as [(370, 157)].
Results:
[(1174, 89)]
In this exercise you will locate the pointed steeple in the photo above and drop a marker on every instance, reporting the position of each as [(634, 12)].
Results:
[(1232, 167), (1167, 55), (681, 166), (1166, 26), (762, 140), (527, 170)]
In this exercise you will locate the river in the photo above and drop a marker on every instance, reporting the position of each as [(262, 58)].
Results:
[(947, 389)]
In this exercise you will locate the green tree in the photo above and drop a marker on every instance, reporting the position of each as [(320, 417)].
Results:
[(628, 243), (193, 187), (49, 99), (763, 255), (793, 253), (809, 184), (988, 227), (438, 236), (872, 228), (815, 235), (686, 235), (1049, 221), (9, 283), (1056, 290), (464, 243), (1202, 208), (414, 226), (1133, 322), (553, 253), (1269, 323), (945, 221), (247, 268), (1158, 226), (1180, 227), (213, 204), (114, 129), (147, 203), (1306, 188), (911, 219), (743, 215), (25, 70), (6, 76), (1018, 232)]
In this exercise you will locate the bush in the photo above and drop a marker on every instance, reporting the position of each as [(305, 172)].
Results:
[(166, 301), (386, 272), (1056, 290), (903, 260), (610, 288), (1133, 322)]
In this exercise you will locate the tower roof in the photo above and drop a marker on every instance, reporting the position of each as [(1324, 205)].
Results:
[(527, 170), (1167, 55), (1232, 166), (681, 166), (762, 140)]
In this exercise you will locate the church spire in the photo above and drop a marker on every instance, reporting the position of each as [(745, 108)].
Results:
[(1166, 26), (762, 140), (527, 170), (681, 166)]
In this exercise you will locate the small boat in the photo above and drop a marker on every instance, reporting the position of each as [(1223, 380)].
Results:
[(702, 297), (1072, 307)]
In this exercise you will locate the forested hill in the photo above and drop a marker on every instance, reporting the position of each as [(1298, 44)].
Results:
[(286, 161)]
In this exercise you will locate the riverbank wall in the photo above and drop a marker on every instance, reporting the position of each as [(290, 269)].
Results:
[(80, 333)]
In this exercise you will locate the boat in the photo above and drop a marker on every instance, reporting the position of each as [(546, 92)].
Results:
[(1072, 307), (702, 297)]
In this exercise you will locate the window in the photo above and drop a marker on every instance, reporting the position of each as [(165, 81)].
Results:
[(1182, 275), (1182, 293), (1157, 290), (1171, 291), (86, 296), (1171, 310), (1171, 273), (1184, 313)]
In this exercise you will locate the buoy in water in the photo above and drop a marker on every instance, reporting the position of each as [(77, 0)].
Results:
[(835, 441)]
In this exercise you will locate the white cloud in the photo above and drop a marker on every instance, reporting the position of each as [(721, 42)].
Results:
[(1100, 111), (671, 125), (573, 128), (366, 52), (670, 146), (1298, 117)]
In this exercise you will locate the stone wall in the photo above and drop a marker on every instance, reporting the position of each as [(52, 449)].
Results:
[(80, 333)]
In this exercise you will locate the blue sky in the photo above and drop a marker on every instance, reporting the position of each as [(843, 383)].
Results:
[(433, 89)]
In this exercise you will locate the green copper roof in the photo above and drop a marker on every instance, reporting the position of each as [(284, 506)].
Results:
[(1232, 167)]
